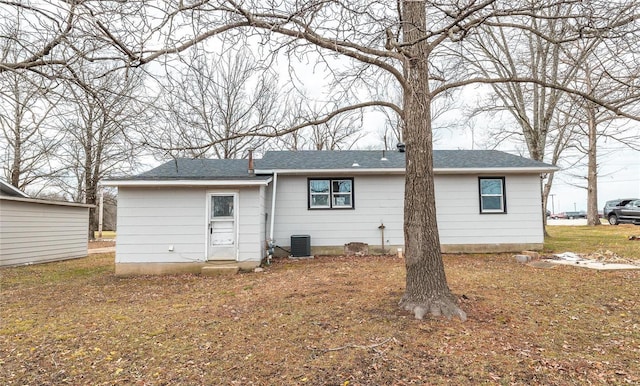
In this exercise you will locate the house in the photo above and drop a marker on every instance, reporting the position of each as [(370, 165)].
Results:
[(37, 231), (188, 213)]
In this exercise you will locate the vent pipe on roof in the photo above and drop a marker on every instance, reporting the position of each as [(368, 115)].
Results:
[(384, 158), (400, 147), (251, 168)]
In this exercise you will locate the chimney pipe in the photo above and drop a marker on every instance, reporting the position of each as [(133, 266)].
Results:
[(401, 147), (251, 168)]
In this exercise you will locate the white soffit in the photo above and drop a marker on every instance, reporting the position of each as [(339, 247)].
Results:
[(154, 183)]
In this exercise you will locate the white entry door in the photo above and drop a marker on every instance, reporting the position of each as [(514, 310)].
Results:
[(222, 227)]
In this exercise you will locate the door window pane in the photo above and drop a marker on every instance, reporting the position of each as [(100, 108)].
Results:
[(221, 206)]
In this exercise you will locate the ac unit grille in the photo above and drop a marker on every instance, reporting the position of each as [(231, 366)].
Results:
[(300, 245)]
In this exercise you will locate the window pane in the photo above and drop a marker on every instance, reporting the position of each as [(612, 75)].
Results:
[(492, 203), (222, 206), (319, 186), (342, 186), (342, 200), (320, 200), (491, 187)]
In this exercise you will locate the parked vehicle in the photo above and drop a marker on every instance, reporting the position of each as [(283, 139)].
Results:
[(629, 213), (569, 215), (609, 206)]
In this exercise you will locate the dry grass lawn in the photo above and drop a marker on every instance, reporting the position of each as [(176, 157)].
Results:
[(327, 321)]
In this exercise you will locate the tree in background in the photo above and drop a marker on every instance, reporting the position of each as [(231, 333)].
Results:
[(27, 104), (218, 106), (340, 133), (27, 141), (548, 51), (528, 48), (604, 69), (98, 121)]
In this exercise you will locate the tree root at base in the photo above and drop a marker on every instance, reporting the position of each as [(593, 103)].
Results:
[(434, 307)]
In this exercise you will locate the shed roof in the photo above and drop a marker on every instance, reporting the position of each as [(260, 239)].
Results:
[(200, 169), (6, 189), (195, 172)]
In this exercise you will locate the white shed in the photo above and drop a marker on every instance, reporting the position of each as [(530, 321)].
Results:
[(37, 231), (189, 214)]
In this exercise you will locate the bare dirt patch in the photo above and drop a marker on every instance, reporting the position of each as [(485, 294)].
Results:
[(101, 244)]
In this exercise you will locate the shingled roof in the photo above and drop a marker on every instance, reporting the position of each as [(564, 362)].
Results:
[(200, 169), (454, 161), (442, 159), (6, 189)]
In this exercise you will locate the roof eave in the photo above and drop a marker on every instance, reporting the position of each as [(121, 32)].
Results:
[(47, 202), (14, 190), (187, 182), (514, 170), (352, 170), (356, 170)]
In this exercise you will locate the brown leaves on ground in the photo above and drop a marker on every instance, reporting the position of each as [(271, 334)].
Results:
[(327, 321), (101, 244)]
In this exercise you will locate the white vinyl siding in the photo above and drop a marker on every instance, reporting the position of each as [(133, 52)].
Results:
[(251, 224), (380, 200), (151, 220), (459, 221), (36, 232)]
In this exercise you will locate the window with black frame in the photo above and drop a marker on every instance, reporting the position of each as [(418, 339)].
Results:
[(330, 193), (492, 195)]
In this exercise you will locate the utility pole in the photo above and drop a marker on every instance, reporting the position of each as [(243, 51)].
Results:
[(100, 214)]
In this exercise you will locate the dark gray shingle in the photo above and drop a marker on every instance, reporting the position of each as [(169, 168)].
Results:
[(442, 159), (217, 169), (200, 169)]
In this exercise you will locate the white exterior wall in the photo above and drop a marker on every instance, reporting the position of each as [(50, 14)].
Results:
[(251, 224), (150, 220), (35, 232), (460, 221), (380, 199)]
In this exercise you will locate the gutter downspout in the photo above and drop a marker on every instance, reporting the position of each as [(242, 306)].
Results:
[(273, 217)]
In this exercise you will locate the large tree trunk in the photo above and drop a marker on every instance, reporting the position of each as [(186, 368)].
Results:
[(89, 186), (427, 291), (16, 168), (593, 215)]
